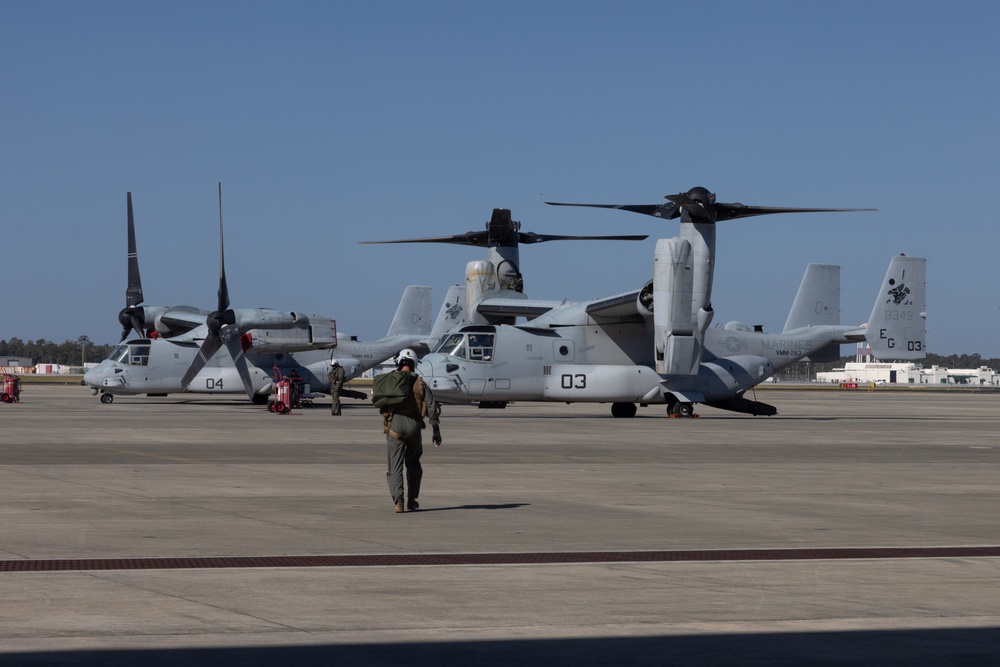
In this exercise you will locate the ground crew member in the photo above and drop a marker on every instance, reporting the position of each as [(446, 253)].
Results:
[(403, 423), (336, 376)]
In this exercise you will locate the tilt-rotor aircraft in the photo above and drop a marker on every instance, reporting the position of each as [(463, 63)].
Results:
[(655, 345), (185, 349)]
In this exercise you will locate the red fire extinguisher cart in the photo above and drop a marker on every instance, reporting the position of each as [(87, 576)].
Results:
[(11, 389), (280, 403)]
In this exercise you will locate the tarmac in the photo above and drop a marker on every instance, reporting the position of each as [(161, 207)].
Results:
[(854, 527)]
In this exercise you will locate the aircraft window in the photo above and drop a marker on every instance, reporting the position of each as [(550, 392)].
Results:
[(481, 347), (139, 355), (119, 354), (453, 345)]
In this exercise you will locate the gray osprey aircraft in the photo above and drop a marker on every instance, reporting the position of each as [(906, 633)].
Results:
[(160, 366), (647, 346), (179, 342), (613, 350)]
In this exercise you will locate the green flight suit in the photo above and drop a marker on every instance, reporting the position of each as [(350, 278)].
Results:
[(336, 377), (407, 422)]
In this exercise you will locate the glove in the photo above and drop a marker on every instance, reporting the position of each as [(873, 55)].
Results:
[(437, 436)]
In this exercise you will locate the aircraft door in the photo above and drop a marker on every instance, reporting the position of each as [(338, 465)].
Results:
[(563, 349)]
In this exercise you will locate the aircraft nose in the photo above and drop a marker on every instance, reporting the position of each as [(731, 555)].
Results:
[(98, 375), (93, 377)]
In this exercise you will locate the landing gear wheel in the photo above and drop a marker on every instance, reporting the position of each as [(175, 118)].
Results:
[(623, 410), (684, 409), (107, 399)]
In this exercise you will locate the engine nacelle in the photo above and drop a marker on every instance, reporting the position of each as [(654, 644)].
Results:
[(172, 321), (679, 320), (478, 282), (266, 318), (677, 351), (274, 341)]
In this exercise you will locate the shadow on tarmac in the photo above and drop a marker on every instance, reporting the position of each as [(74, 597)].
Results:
[(972, 646), (505, 506)]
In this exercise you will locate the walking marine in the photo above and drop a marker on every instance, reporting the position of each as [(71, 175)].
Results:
[(336, 377), (404, 403)]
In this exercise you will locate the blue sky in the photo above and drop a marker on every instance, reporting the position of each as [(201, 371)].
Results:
[(330, 123)]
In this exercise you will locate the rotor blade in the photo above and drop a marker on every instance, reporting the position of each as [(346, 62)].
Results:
[(531, 237), (137, 326), (733, 211), (231, 337), (133, 293), (479, 239), (130, 317), (657, 210), (223, 287), (207, 350)]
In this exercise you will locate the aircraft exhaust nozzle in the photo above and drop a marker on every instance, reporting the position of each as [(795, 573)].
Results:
[(705, 317)]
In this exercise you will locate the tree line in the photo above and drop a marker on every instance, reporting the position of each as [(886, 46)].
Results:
[(70, 353)]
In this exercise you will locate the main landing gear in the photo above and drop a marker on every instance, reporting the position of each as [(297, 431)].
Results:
[(674, 410), (677, 410), (623, 409)]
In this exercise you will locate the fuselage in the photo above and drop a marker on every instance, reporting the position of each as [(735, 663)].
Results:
[(604, 362)]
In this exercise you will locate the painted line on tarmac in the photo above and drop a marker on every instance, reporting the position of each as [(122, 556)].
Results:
[(517, 558)]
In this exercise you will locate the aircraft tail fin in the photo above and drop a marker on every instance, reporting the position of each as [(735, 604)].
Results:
[(897, 328), (817, 303), (451, 314), (413, 315)]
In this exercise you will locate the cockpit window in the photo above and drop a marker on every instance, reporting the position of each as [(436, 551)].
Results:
[(473, 346), (481, 347), (453, 345), (131, 355), (139, 355)]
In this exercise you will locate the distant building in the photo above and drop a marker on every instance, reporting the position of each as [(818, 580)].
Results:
[(51, 369), (865, 372), (15, 365)]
